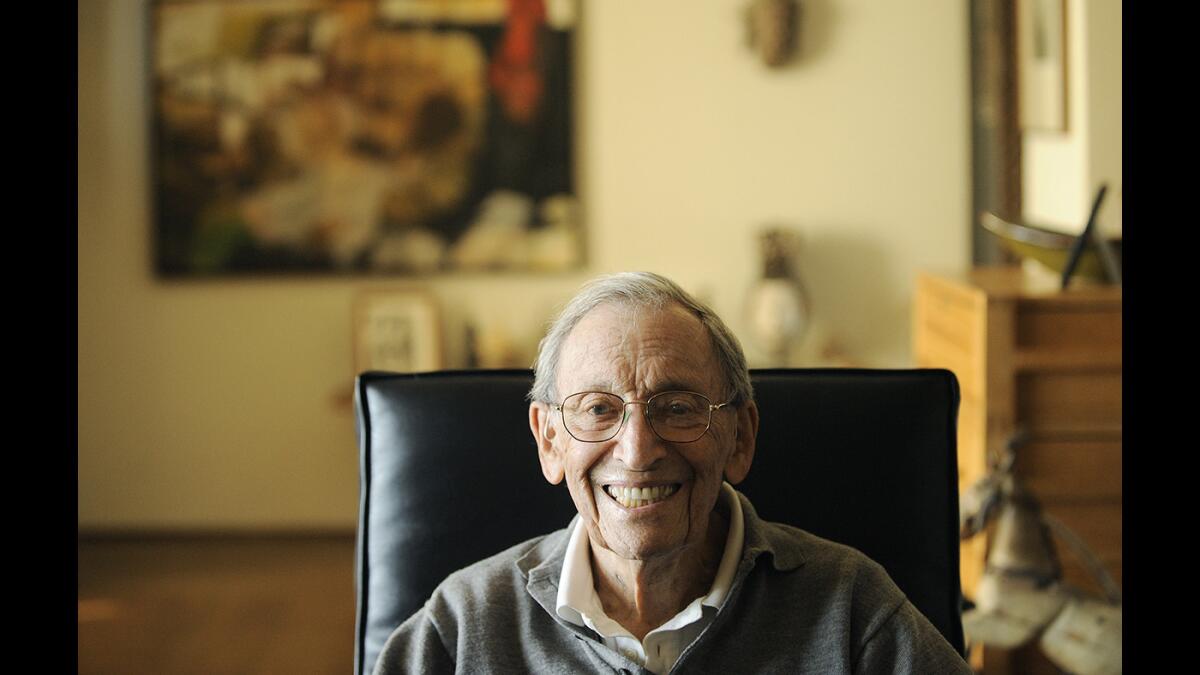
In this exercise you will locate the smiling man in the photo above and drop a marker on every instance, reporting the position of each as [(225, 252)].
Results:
[(642, 405)]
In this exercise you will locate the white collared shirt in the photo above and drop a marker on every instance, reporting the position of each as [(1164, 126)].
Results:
[(579, 604)]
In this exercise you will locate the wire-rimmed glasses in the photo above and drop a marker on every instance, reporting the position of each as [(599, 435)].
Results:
[(674, 416)]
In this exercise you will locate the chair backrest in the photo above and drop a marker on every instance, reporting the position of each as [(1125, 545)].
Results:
[(863, 457)]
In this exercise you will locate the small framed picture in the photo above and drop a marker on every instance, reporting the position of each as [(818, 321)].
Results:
[(1042, 64), (397, 331)]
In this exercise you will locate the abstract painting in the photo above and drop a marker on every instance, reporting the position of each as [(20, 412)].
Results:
[(402, 137)]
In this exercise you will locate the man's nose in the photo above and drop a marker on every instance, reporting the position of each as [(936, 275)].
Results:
[(638, 447)]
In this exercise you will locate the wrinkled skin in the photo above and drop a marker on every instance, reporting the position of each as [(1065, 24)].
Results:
[(648, 562)]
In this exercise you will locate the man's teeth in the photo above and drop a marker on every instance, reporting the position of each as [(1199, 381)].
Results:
[(632, 498)]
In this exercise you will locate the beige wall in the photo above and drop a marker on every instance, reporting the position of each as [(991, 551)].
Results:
[(212, 404)]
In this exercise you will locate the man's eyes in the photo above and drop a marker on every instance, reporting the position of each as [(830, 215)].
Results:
[(672, 405), (598, 406), (678, 407)]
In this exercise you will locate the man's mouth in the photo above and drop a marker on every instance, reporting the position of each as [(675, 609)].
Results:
[(633, 497)]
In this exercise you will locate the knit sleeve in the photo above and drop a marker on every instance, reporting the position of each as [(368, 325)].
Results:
[(906, 642), (415, 647)]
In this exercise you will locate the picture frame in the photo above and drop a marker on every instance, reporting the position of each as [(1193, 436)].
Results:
[(1042, 64), (397, 331), (382, 137)]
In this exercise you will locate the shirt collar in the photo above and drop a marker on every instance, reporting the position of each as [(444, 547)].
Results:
[(577, 597), (575, 590), (733, 549)]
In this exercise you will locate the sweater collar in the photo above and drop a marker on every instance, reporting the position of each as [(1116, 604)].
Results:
[(785, 554)]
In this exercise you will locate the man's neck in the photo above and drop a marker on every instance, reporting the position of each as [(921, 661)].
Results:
[(641, 595)]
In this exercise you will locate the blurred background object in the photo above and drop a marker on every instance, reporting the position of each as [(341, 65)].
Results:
[(359, 136), (776, 305), (1048, 247), (1046, 360), (772, 28), (399, 331), (1020, 597), (1087, 256)]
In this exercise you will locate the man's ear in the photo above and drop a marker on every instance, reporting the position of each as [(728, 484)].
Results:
[(738, 464), (541, 424)]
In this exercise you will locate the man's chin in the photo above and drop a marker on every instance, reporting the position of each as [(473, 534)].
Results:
[(632, 544), (644, 553)]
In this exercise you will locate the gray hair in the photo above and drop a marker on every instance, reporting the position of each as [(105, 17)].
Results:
[(639, 290)]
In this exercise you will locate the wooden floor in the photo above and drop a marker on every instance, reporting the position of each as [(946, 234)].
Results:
[(216, 605)]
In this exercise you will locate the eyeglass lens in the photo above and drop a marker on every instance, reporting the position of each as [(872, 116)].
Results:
[(676, 416)]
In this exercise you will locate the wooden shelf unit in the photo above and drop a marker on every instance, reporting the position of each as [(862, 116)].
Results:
[(1048, 360)]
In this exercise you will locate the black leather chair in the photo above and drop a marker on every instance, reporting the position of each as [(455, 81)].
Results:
[(449, 475)]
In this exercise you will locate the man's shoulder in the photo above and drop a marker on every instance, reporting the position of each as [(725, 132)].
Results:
[(845, 605), (480, 614), (788, 548), (804, 546), (826, 565)]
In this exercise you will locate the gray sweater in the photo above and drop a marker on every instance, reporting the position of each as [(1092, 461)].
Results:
[(799, 604)]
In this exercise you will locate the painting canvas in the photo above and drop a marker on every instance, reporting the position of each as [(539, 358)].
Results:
[(363, 136)]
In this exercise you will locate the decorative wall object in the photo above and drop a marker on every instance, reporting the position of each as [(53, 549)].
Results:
[(363, 136), (771, 29), (398, 331), (1042, 64)]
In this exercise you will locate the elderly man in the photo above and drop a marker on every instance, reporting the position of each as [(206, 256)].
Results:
[(642, 405)]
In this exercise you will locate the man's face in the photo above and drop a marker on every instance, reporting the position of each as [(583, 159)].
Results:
[(636, 354)]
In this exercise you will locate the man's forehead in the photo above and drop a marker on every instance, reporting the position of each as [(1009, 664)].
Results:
[(615, 346)]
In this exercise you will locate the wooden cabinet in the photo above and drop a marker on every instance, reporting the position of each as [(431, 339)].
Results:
[(1050, 361)]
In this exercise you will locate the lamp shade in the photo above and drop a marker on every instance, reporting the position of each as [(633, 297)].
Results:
[(1022, 544)]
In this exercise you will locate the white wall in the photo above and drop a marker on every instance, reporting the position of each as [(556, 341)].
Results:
[(1061, 171), (213, 404)]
